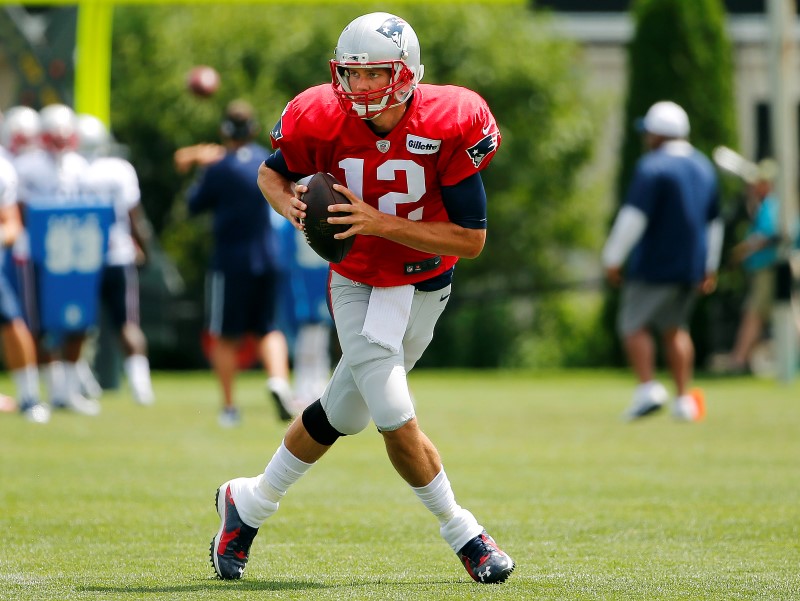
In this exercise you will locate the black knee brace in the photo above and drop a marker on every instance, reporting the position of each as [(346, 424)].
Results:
[(318, 426)]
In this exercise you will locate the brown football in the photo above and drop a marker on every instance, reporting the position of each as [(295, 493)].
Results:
[(203, 81), (319, 233)]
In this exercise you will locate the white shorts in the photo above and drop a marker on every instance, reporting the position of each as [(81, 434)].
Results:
[(370, 381)]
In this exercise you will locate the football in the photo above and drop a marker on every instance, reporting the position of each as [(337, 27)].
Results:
[(203, 81), (319, 233)]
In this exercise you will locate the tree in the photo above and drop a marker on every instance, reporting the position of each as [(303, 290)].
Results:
[(680, 52)]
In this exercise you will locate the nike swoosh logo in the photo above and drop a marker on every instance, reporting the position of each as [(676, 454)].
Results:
[(444, 297), (485, 130)]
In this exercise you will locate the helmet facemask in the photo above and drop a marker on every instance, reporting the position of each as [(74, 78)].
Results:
[(368, 105), (376, 41)]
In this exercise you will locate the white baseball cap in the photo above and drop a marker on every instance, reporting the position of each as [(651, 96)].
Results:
[(666, 119)]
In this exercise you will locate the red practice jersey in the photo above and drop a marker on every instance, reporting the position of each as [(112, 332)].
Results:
[(447, 134)]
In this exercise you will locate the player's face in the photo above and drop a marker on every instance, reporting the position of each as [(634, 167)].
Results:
[(366, 80), (371, 82)]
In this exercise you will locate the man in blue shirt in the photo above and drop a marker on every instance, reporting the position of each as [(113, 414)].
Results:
[(670, 232), (242, 284)]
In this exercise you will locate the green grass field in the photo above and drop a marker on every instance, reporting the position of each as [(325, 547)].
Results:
[(120, 507)]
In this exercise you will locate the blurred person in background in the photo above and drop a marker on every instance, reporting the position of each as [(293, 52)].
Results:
[(304, 308), (114, 178), (757, 253), (242, 284), (19, 135), (19, 347), (51, 174), (670, 233)]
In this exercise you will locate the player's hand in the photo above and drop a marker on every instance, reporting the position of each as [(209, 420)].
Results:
[(361, 217), (296, 211), (709, 283), (614, 275), (198, 154)]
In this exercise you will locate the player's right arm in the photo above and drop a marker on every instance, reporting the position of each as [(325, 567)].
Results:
[(278, 186)]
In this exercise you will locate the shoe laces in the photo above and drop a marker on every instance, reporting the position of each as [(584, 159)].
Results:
[(479, 548)]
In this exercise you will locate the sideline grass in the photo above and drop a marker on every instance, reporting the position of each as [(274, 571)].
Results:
[(119, 507)]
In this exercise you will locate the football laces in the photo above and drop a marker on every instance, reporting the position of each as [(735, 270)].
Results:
[(305, 231)]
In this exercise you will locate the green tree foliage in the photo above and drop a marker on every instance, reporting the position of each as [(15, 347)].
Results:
[(269, 53), (680, 52)]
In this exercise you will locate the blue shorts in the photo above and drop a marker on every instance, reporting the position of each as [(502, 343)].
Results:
[(241, 303)]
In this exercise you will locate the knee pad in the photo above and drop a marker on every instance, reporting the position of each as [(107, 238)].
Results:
[(385, 389), (317, 425)]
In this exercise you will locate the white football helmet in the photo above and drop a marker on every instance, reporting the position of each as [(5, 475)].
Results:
[(94, 139), (20, 129), (59, 128), (376, 40)]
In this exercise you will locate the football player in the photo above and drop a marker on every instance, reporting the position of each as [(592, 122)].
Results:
[(410, 155), (115, 179), (19, 347), (51, 174)]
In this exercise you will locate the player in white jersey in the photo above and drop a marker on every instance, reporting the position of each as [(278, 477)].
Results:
[(115, 178), (19, 134), (19, 347), (52, 175)]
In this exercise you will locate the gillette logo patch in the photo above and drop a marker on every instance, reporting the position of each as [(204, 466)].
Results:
[(418, 145)]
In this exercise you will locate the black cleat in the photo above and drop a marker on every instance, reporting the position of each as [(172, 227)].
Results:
[(485, 561), (230, 548)]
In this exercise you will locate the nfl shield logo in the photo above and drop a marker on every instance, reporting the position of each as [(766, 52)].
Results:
[(383, 145)]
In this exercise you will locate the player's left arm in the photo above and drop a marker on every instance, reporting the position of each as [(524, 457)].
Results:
[(141, 232), (464, 235), (10, 224)]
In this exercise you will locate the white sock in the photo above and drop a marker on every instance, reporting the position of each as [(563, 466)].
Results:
[(252, 507), (258, 498), (56, 382), (72, 380), (456, 524), (137, 370), (438, 497), (283, 470), (460, 530), (26, 379), (87, 378)]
